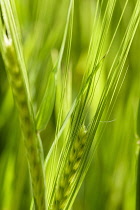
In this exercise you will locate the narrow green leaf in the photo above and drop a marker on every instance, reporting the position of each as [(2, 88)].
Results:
[(45, 110), (138, 183), (138, 120), (138, 162)]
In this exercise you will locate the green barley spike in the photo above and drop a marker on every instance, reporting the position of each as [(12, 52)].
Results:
[(31, 138), (71, 166)]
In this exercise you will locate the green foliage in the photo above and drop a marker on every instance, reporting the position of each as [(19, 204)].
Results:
[(138, 121), (73, 68), (138, 160)]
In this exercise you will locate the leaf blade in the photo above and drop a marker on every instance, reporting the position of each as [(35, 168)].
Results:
[(45, 110)]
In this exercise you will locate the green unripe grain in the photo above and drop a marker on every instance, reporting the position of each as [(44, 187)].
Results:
[(64, 185), (31, 138)]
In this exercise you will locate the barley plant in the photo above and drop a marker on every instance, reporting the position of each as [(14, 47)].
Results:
[(69, 105)]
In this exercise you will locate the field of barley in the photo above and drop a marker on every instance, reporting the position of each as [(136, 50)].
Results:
[(70, 105)]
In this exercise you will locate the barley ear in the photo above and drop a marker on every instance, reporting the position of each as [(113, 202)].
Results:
[(65, 181), (14, 63), (31, 139)]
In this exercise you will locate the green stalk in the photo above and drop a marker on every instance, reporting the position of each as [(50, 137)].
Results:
[(138, 162), (138, 183), (31, 138)]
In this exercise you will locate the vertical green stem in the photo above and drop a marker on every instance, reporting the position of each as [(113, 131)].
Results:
[(138, 183), (138, 161)]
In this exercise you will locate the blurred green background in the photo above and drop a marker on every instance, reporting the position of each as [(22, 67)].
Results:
[(111, 180)]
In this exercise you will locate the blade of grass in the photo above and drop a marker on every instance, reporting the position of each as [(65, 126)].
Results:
[(138, 161)]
